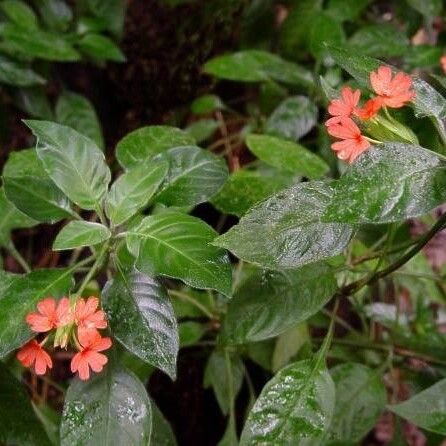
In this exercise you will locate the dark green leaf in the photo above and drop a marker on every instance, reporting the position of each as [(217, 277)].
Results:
[(194, 176), (56, 14), (100, 47), (110, 408), (111, 12), (270, 302), (133, 190), (73, 162), (31, 190), (287, 155), (429, 8), (50, 419), (360, 399), (257, 66), (178, 245), (324, 30), (390, 182), (19, 13), (426, 409), (190, 332), (80, 233), (19, 424), (295, 407), (140, 145), (34, 101), (21, 297), (77, 112), (37, 43), (293, 118), (12, 73), (285, 230), (11, 218), (142, 319), (162, 433), (346, 9)]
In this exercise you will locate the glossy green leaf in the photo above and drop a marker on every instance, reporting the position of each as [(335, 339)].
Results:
[(427, 101), (77, 112), (20, 13), (73, 161), (31, 190), (56, 14), (216, 376), (80, 233), (324, 29), (268, 303), (380, 40), (21, 297), (390, 182), (11, 218), (287, 155), (285, 230), (257, 66), (178, 245), (426, 409), (19, 424), (141, 317), (295, 407), (162, 433), (110, 408), (13, 73), (206, 104), (100, 47), (142, 144), (194, 176), (37, 43), (245, 188), (293, 118), (360, 400), (133, 190)]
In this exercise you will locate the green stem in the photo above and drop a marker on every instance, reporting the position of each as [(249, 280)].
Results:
[(231, 396), (192, 301), (94, 268), (18, 257)]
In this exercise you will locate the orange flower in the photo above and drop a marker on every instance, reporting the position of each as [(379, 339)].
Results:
[(344, 106), (370, 109), (32, 352), (87, 316), (50, 315), (92, 343), (443, 62), (394, 92), (353, 144)]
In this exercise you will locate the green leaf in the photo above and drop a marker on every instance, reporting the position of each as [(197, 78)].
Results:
[(56, 14), (21, 297), (19, 425), (293, 118), (142, 144), (346, 9), (19, 13), (190, 332), (295, 407), (244, 189), (206, 104), (324, 30), (426, 409), (162, 433), (257, 66), (268, 303), (110, 408), (34, 101), (111, 12), (427, 101), (178, 245), (12, 73), (287, 155), (100, 47), (202, 129), (360, 399), (37, 43), (380, 40), (42, 201), (216, 376), (285, 231), (390, 182), (6, 280), (141, 317), (11, 218), (73, 161), (133, 190), (429, 8), (80, 233), (77, 112), (194, 176)]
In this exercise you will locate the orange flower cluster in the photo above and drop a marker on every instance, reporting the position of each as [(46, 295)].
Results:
[(391, 91), (443, 63), (79, 323)]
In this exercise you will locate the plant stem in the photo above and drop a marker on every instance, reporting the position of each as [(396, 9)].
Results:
[(18, 257), (231, 396), (94, 268), (191, 300)]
